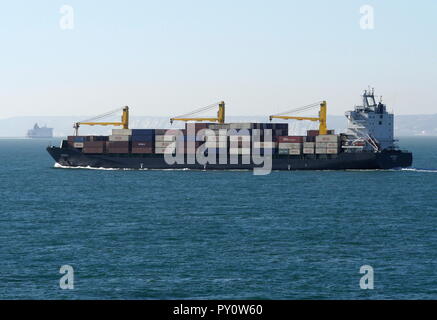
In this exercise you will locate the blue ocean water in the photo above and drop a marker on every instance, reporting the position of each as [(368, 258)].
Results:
[(216, 235)]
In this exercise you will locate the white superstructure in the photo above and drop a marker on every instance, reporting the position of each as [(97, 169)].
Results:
[(370, 125)]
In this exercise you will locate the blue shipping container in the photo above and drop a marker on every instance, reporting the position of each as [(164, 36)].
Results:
[(143, 138), (143, 132)]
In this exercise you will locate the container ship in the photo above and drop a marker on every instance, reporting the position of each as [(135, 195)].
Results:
[(213, 144)]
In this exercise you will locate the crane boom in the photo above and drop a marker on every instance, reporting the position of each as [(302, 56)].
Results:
[(220, 114), (323, 127), (123, 123)]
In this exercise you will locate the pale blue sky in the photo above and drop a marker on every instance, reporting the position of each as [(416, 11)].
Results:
[(168, 57)]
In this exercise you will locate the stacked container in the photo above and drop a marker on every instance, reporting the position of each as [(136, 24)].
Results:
[(165, 141), (119, 141), (143, 140), (290, 145), (327, 144), (308, 147)]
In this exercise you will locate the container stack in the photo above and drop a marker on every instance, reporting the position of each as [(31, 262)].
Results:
[(327, 144), (143, 140), (165, 141), (308, 147), (119, 141), (290, 145)]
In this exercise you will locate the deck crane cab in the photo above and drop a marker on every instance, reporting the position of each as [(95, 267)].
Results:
[(189, 116), (323, 128), (124, 123)]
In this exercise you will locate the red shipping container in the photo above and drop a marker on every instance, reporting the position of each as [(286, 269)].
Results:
[(290, 139), (94, 144), (313, 133), (118, 150), (142, 150)]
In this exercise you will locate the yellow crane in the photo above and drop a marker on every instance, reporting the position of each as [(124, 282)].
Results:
[(323, 128), (189, 116), (93, 121)]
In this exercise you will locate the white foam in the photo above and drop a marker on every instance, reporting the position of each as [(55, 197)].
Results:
[(419, 170)]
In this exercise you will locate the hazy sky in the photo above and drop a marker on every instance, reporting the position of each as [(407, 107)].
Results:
[(168, 57)]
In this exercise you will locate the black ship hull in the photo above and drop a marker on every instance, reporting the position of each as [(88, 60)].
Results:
[(70, 157)]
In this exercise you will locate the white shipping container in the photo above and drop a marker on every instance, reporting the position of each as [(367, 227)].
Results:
[(165, 150), (321, 145), (320, 150), (165, 138), (164, 144), (242, 125), (332, 145), (289, 145), (327, 138), (261, 145), (119, 138), (121, 132), (332, 151), (78, 144), (308, 150), (295, 151), (309, 145)]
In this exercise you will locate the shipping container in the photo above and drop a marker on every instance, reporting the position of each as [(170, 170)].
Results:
[(164, 144), (310, 139), (143, 132), (259, 145), (165, 150), (308, 150), (295, 151), (78, 145), (143, 138), (142, 150), (288, 145), (320, 150), (117, 144), (290, 139), (332, 150), (327, 138), (118, 150), (332, 145), (119, 138), (94, 144), (309, 144), (121, 132), (314, 133), (139, 144), (162, 138), (321, 145), (283, 151)]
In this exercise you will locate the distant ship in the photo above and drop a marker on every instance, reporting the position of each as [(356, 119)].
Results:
[(40, 132)]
